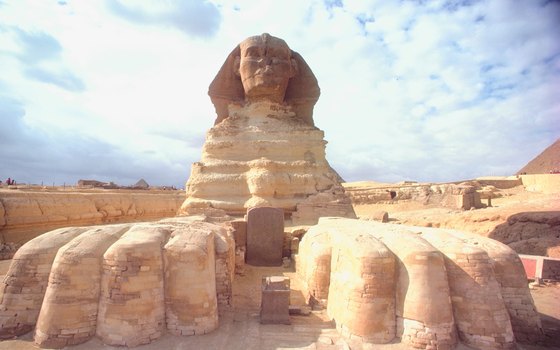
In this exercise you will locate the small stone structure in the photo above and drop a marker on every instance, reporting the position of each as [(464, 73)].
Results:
[(91, 183), (275, 302), (425, 286)]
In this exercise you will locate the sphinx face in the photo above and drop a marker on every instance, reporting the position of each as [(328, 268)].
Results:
[(265, 66)]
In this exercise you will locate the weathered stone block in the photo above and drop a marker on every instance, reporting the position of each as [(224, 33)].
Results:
[(72, 295), (225, 265), (239, 232), (275, 304), (190, 288), (23, 289), (240, 261), (131, 303)]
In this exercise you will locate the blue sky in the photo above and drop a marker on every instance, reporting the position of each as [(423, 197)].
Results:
[(410, 90)]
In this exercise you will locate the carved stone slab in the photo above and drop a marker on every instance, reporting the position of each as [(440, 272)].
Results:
[(265, 234)]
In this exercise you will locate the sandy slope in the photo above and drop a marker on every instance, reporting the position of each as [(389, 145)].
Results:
[(527, 221)]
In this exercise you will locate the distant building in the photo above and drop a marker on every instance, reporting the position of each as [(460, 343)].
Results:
[(91, 183), (97, 184)]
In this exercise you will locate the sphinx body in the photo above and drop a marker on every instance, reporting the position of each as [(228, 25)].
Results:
[(263, 155)]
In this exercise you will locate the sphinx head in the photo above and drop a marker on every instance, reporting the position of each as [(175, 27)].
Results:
[(261, 68), (264, 65)]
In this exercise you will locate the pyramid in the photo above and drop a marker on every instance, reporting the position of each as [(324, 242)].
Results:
[(546, 162), (141, 184)]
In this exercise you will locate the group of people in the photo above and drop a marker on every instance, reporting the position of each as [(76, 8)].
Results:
[(9, 182)]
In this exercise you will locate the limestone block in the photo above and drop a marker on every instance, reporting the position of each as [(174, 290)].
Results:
[(131, 305), (468, 200), (239, 232), (240, 261), (23, 288), (314, 265), (265, 236), (294, 245), (362, 288), (190, 288), (224, 244), (478, 307), (423, 304), (334, 203), (29, 214), (69, 311), (510, 274), (381, 216)]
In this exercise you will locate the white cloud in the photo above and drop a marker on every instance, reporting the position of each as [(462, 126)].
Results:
[(193, 17), (437, 91)]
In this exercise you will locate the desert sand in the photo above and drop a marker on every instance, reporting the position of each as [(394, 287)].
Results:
[(529, 222)]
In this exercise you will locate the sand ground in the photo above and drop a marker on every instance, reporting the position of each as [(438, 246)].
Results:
[(480, 221)]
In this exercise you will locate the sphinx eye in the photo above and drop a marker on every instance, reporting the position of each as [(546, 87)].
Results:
[(252, 52)]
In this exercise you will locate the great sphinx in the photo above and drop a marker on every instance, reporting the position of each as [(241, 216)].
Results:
[(264, 149)]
